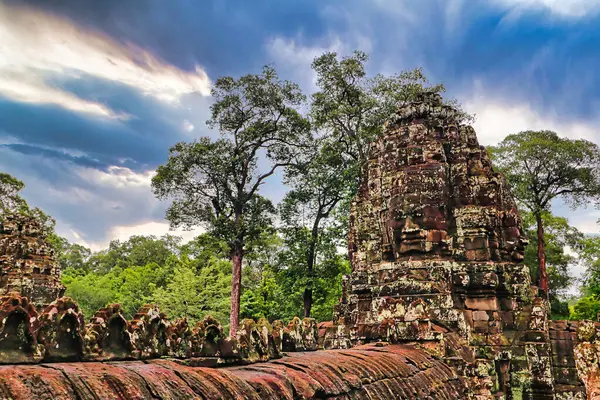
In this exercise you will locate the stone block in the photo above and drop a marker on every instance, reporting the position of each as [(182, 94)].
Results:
[(482, 303)]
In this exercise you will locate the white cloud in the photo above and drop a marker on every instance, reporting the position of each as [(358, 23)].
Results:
[(496, 118), (188, 126), (562, 8), (117, 177), (155, 228), (34, 45), (31, 89), (586, 220), (120, 195), (124, 232)]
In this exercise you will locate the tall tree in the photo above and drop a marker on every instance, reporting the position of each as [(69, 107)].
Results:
[(351, 107), (541, 166), (558, 237), (216, 183), (318, 186)]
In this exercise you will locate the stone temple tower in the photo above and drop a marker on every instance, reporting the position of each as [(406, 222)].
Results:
[(435, 244), (27, 264)]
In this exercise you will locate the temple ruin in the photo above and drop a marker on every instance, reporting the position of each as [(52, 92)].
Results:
[(27, 263), (438, 304)]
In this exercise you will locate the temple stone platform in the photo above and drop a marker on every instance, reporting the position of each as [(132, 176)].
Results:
[(365, 372)]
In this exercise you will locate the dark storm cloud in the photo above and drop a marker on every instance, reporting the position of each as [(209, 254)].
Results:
[(143, 136), (30, 150)]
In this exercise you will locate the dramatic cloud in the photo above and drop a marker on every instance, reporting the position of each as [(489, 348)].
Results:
[(568, 8), (35, 44)]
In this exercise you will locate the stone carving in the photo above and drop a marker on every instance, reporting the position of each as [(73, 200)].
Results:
[(149, 332), (301, 335), (27, 265), (209, 334), (18, 342), (60, 330), (181, 339), (107, 335)]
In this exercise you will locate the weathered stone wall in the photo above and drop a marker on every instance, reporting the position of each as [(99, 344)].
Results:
[(435, 245), (27, 264)]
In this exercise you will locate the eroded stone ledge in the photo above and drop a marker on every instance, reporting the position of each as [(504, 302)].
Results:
[(365, 372)]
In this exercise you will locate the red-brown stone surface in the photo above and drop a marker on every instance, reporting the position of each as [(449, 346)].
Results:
[(366, 372)]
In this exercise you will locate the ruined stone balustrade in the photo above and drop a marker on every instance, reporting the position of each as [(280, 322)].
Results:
[(59, 334)]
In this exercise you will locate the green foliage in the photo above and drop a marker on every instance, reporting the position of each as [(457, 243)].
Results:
[(559, 309), (194, 293), (558, 235), (540, 166), (318, 186), (260, 297), (590, 258), (190, 280), (91, 291), (136, 251), (293, 278), (132, 287), (10, 201), (586, 308), (73, 258)]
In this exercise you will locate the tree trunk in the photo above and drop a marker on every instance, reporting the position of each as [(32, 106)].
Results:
[(310, 262), (542, 273), (236, 283)]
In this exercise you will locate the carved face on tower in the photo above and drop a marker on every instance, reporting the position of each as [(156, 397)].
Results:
[(432, 192), (418, 212)]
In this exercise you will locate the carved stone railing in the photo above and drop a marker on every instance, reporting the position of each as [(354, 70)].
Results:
[(59, 333)]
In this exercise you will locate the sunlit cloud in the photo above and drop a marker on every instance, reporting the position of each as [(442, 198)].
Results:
[(563, 8), (155, 228), (31, 89), (124, 232), (35, 45), (117, 177)]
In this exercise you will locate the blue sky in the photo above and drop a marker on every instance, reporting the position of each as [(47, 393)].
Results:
[(93, 93)]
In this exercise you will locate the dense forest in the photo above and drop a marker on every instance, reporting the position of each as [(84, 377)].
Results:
[(259, 259)]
